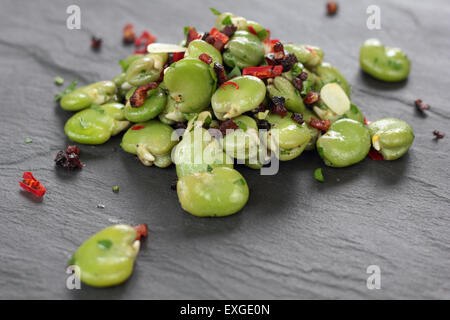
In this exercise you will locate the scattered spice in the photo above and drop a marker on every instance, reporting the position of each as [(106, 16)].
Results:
[(230, 83), (263, 125), (142, 231), (115, 189), (228, 30), (205, 58), (28, 140), (137, 127), (31, 184), (297, 117), (318, 175), (228, 124), (331, 8), (129, 35), (279, 106), (375, 155), (421, 106), (320, 124), (438, 135), (311, 97), (220, 73), (143, 41), (140, 94), (96, 43), (59, 81), (263, 72), (69, 158)]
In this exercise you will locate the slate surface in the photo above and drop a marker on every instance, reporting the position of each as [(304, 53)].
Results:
[(296, 238)]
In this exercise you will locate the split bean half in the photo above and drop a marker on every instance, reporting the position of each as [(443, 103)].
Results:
[(145, 69), (83, 97), (197, 47), (154, 104)]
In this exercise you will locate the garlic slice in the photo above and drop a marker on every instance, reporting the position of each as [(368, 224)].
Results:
[(164, 48)]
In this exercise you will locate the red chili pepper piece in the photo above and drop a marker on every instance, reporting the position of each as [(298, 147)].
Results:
[(311, 97), (142, 231), (143, 40), (231, 83), (128, 34), (263, 72), (320, 124), (205, 58), (31, 184), (277, 70), (375, 155), (192, 35), (177, 56), (137, 127), (366, 122), (218, 36), (252, 30)]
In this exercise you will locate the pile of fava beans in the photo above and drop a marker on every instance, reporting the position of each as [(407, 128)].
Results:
[(235, 96)]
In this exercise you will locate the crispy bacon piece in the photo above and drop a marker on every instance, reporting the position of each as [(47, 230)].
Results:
[(278, 106), (227, 125), (297, 117), (218, 36), (129, 35), (229, 30), (192, 35), (320, 124), (278, 50), (142, 231), (298, 83), (139, 95), (311, 97), (220, 73), (205, 58)]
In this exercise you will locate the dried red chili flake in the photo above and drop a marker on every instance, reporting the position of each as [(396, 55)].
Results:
[(252, 30), (421, 106), (297, 117), (263, 72), (298, 83), (288, 61), (366, 122), (278, 50), (69, 158), (137, 127), (31, 184), (143, 41), (279, 106), (331, 7), (320, 124), (176, 56), (228, 124), (375, 155), (228, 30), (220, 73), (192, 35), (96, 43), (129, 35), (142, 231), (303, 76), (311, 97), (230, 83), (218, 36), (438, 135), (205, 58), (140, 94)]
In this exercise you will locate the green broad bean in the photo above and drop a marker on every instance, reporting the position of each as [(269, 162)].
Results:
[(197, 47), (154, 104), (345, 143), (229, 102), (152, 143), (81, 98), (291, 137), (310, 56), (191, 83), (314, 132), (115, 110), (281, 87), (240, 22), (383, 63), (107, 258), (333, 103), (125, 64), (244, 49), (328, 74), (242, 143), (146, 69), (94, 125), (391, 137), (221, 192)]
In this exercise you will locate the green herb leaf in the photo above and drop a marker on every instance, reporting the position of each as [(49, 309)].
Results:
[(263, 34), (227, 21), (104, 244), (240, 181), (123, 65), (69, 89), (242, 125), (59, 81), (318, 175), (354, 108), (186, 30), (320, 151), (215, 12), (28, 140), (209, 168), (115, 189), (236, 72)]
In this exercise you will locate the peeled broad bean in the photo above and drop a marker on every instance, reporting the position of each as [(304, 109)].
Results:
[(154, 104), (292, 138), (190, 82), (244, 49), (281, 87), (229, 101), (146, 69), (314, 132), (221, 192), (328, 74), (391, 137), (383, 63), (94, 125), (81, 98), (151, 141), (107, 258), (197, 47), (310, 56), (125, 64), (242, 143), (345, 143)]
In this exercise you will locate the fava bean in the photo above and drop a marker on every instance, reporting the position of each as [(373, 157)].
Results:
[(310, 56), (146, 69), (328, 74), (154, 103), (383, 63), (243, 50), (81, 98), (244, 142), (391, 137), (345, 143), (197, 47), (281, 87)]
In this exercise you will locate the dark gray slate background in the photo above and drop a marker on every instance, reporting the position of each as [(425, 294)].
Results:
[(296, 238)]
